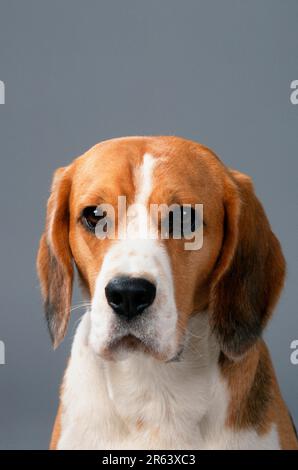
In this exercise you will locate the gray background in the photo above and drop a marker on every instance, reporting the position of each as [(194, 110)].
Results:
[(77, 72)]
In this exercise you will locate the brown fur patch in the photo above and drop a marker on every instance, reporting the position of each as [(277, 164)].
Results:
[(56, 430), (251, 390), (255, 398)]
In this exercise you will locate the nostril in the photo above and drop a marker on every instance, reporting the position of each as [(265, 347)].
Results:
[(144, 298), (116, 298), (140, 298)]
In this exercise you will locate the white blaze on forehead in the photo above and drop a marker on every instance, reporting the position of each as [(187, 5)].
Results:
[(143, 179), (137, 213)]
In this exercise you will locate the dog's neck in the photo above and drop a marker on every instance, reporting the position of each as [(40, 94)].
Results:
[(140, 384), (141, 403), (140, 395)]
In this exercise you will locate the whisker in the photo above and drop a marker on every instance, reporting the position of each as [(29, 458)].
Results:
[(78, 306), (74, 327)]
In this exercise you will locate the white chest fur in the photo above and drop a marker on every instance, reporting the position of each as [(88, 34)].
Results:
[(140, 403)]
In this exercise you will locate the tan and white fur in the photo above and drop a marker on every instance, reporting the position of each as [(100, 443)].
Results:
[(191, 372)]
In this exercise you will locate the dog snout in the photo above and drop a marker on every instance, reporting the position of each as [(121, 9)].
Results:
[(130, 296)]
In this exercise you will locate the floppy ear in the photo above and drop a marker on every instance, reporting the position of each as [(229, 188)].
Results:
[(250, 272), (54, 259)]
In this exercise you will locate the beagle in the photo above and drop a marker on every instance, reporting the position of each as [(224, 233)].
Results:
[(169, 354)]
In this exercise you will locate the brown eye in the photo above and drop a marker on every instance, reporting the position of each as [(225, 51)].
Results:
[(90, 217), (181, 222), (189, 217)]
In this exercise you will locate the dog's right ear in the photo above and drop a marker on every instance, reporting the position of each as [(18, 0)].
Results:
[(54, 259)]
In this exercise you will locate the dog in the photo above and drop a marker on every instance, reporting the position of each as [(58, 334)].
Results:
[(169, 354)]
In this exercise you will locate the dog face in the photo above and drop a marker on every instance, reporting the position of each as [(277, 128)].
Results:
[(143, 289)]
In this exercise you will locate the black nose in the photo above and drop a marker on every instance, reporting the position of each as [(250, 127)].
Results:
[(130, 296)]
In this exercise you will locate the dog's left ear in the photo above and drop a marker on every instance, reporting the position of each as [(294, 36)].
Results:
[(54, 259), (250, 272)]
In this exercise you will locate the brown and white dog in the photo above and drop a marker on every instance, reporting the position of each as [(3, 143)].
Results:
[(169, 354)]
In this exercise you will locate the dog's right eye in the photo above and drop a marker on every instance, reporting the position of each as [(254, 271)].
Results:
[(90, 217)]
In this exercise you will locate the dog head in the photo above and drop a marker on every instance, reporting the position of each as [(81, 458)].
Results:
[(144, 289)]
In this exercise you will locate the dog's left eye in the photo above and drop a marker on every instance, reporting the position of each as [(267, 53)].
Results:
[(181, 222), (90, 217), (189, 220)]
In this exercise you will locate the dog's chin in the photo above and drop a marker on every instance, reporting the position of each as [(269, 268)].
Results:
[(121, 348)]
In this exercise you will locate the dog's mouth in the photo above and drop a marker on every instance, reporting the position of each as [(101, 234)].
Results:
[(128, 342), (119, 347)]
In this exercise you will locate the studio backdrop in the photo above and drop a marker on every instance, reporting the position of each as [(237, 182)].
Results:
[(73, 73)]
